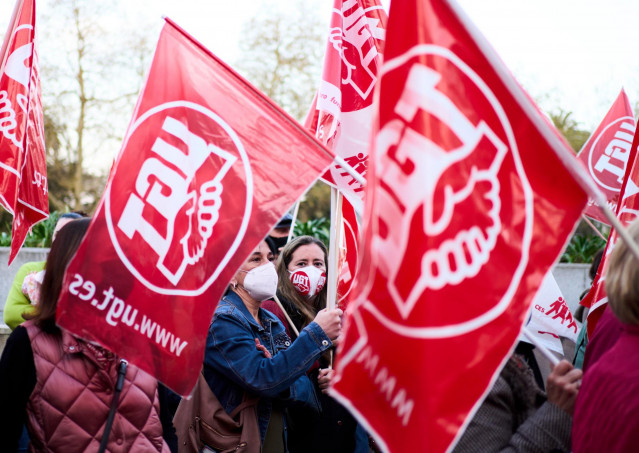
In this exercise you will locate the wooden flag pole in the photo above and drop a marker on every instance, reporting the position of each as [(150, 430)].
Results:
[(296, 210), (594, 228), (543, 349), (333, 250), (288, 318)]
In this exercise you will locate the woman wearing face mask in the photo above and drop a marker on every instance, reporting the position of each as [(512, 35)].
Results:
[(248, 350), (302, 272)]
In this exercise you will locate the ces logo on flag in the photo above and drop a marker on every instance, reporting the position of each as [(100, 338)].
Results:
[(453, 179), (182, 169)]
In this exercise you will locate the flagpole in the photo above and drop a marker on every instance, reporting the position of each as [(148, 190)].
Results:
[(333, 249), (543, 349), (296, 210), (592, 225), (288, 318)]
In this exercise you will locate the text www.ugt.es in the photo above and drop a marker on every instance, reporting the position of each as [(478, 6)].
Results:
[(119, 311)]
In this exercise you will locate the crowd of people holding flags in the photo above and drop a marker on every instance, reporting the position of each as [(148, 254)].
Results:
[(275, 366), (172, 321)]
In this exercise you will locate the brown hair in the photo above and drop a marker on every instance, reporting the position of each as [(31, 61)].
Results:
[(307, 307), (622, 280), (63, 248)]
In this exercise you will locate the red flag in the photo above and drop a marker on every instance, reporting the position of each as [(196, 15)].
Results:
[(627, 212), (606, 152), (348, 263), (23, 170), (468, 204), (199, 182), (342, 112)]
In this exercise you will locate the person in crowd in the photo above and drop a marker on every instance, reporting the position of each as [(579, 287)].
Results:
[(302, 291), (248, 350), (27, 281), (63, 387), (280, 232), (581, 314), (608, 402), (517, 416)]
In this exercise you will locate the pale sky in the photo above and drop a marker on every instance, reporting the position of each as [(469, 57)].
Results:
[(566, 53)]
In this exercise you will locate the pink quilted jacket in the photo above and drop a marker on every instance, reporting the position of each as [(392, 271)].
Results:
[(74, 387)]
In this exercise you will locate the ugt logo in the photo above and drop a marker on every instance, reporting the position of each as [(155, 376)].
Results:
[(454, 212), (609, 168), (181, 158), (354, 36)]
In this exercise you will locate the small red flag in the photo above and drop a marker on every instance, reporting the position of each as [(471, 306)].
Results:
[(606, 152), (469, 202), (23, 170), (199, 182)]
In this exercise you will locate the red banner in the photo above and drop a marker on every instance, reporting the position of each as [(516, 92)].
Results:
[(342, 113), (199, 182), (463, 219), (23, 170), (348, 254), (627, 212), (606, 152)]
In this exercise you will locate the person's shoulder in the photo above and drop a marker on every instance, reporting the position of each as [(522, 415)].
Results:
[(31, 266), (227, 309)]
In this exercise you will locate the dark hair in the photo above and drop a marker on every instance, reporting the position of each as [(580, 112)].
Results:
[(286, 288), (73, 215), (62, 250), (594, 267)]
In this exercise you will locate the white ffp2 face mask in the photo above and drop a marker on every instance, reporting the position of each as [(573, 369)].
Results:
[(261, 283), (309, 280)]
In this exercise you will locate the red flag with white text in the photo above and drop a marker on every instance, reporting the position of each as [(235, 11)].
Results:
[(342, 112), (197, 185), (470, 199), (627, 212), (606, 152), (23, 170)]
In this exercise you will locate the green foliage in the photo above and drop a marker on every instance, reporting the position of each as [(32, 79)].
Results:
[(319, 228), (316, 202), (569, 128), (582, 248), (40, 235)]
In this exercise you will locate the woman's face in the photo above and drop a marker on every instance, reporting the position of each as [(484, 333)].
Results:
[(261, 255), (307, 255)]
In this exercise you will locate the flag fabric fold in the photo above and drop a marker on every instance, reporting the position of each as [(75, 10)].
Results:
[(462, 221), (23, 171), (197, 185)]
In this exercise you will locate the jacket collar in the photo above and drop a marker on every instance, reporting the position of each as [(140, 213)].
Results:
[(235, 300)]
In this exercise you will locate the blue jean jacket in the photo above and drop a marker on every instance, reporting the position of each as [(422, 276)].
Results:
[(233, 365)]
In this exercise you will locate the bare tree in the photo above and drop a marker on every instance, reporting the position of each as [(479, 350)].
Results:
[(91, 79), (282, 53)]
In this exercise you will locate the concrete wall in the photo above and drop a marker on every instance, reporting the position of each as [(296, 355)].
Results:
[(572, 279)]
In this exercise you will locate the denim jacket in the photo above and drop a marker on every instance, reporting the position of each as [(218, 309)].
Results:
[(233, 365)]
